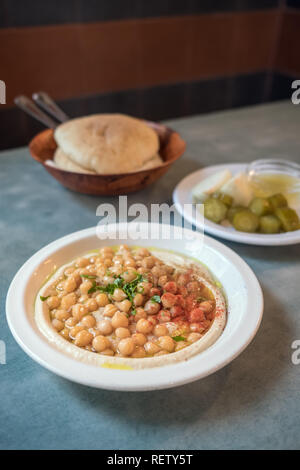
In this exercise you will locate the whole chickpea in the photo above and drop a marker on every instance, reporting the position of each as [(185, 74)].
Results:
[(68, 300), (105, 327), (68, 271), (171, 286), (192, 286), (57, 324), (88, 321), (142, 252), (139, 352), (85, 286), (74, 331), (140, 313), (161, 330), (53, 302), (126, 346), (62, 315), (81, 262), (83, 298), (107, 262), (122, 332), (105, 250), (162, 280), (192, 337), (70, 284), (151, 348), (119, 295), (116, 270), (83, 338), (65, 333), (168, 300), (151, 308), (108, 352), (70, 322), (124, 306), (79, 311), (119, 319), (144, 326), (129, 275), (102, 300), (109, 310), (139, 339), (144, 287), (130, 262), (138, 300), (100, 343), (167, 343), (156, 271), (206, 306), (181, 345), (91, 305)]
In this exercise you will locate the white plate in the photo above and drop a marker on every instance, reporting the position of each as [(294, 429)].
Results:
[(243, 293), (182, 195)]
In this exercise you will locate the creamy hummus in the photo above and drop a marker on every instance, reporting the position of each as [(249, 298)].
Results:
[(88, 272)]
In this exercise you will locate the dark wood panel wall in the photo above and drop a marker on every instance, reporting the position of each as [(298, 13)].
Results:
[(153, 59)]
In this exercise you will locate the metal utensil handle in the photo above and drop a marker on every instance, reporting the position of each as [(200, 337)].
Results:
[(47, 103), (27, 105)]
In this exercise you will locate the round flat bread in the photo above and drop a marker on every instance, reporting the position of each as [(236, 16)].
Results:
[(65, 163), (108, 143)]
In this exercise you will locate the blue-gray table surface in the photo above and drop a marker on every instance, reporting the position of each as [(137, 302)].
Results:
[(254, 402)]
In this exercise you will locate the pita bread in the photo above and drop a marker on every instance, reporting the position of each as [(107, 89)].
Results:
[(108, 144), (65, 163)]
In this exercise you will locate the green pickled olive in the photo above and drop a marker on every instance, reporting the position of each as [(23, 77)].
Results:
[(277, 200), (215, 210), (288, 218), (245, 221), (232, 211), (228, 200), (260, 206), (269, 224)]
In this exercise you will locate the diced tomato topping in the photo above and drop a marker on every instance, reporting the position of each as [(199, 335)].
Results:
[(196, 315), (170, 287)]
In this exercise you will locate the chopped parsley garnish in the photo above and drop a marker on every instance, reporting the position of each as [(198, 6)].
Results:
[(44, 298), (130, 288), (88, 276), (156, 299), (178, 338)]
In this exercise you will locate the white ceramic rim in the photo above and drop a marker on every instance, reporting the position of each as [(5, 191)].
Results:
[(197, 367), (181, 196)]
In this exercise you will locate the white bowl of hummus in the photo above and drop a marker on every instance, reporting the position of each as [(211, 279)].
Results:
[(127, 314)]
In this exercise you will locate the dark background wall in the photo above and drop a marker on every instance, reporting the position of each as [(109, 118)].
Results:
[(155, 59)]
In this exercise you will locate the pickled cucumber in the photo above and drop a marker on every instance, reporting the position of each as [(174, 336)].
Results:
[(232, 211), (288, 218), (269, 224), (215, 210), (277, 200), (245, 221), (260, 206)]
